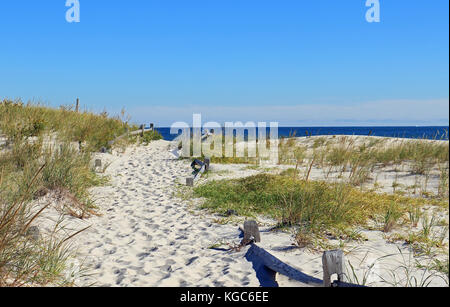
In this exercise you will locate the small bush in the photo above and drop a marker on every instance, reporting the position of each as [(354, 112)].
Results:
[(151, 136)]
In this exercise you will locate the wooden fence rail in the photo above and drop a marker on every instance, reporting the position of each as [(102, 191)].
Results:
[(333, 263), (141, 131)]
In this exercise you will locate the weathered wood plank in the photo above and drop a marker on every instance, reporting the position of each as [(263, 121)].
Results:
[(259, 255), (278, 266), (140, 131)]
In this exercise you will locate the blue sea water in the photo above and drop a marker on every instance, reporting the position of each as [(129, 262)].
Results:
[(439, 133)]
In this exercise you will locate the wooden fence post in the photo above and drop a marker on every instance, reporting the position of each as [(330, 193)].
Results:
[(190, 181), (207, 163), (251, 230), (333, 263), (77, 107)]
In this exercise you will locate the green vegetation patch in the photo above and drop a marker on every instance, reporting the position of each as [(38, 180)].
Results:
[(317, 208), (44, 151)]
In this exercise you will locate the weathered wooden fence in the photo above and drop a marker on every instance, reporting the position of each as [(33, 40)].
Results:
[(140, 131), (199, 167), (333, 263)]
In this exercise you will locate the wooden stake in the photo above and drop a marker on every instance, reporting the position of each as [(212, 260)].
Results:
[(251, 231), (333, 263), (207, 163), (190, 181)]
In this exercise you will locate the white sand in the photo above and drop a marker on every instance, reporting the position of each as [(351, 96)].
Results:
[(146, 236)]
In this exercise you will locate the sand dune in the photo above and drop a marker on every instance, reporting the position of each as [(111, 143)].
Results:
[(147, 236)]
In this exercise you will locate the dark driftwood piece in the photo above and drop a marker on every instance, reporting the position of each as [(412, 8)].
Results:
[(260, 256), (267, 265), (199, 168), (197, 165)]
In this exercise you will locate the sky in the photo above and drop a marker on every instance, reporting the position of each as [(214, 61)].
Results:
[(297, 62)]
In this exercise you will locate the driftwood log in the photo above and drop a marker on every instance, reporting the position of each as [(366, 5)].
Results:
[(259, 255)]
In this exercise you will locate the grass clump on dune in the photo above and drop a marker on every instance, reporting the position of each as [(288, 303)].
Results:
[(19, 121), (318, 209), (46, 151), (27, 258), (150, 136), (355, 159), (359, 157), (37, 136)]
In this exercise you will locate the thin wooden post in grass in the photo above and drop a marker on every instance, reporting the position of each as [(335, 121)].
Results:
[(190, 181), (33, 233), (77, 107), (142, 130), (333, 263)]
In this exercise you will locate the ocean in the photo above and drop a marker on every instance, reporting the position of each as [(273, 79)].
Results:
[(438, 133)]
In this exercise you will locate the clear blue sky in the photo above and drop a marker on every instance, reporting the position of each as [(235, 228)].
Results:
[(299, 62)]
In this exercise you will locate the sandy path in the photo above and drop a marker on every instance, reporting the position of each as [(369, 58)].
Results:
[(146, 237)]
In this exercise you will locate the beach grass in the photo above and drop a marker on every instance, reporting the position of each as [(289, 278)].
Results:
[(355, 161), (343, 154), (317, 209), (93, 131), (45, 151)]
